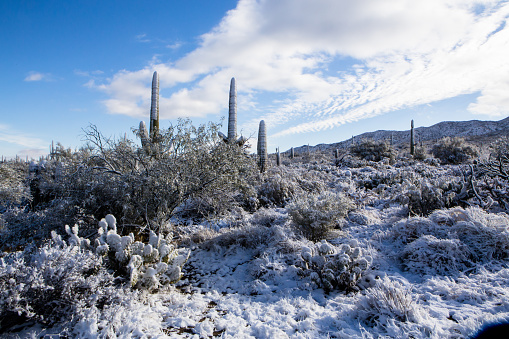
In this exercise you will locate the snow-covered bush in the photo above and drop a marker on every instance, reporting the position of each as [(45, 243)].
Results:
[(13, 189), (429, 255), (389, 300), (373, 150), (52, 284), (120, 177), (277, 189), (453, 151), (281, 184), (149, 266), (315, 215), (452, 241), (330, 267)]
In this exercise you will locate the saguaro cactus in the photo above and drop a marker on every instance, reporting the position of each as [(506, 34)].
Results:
[(278, 157), (262, 147), (232, 112), (412, 149), (232, 118), (292, 153), (154, 107)]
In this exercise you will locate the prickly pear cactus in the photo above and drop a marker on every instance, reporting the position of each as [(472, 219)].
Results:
[(150, 266), (330, 267)]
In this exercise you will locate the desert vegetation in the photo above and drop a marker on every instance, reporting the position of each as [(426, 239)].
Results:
[(181, 232)]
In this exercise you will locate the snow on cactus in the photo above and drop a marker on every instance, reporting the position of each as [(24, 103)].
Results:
[(330, 267), (149, 266)]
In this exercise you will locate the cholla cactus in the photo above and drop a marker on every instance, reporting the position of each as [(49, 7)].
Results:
[(332, 268), (154, 107), (262, 147)]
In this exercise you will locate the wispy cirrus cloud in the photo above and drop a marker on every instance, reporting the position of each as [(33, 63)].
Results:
[(12, 136), (332, 62), (38, 76)]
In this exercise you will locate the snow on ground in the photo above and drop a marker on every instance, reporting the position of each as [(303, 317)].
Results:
[(248, 282)]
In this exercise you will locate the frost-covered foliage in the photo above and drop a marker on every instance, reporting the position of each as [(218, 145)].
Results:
[(315, 215), (119, 177), (390, 301), (331, 267), (52, 284), (149, 266), (453, 151), (372, 150), (281, 184), (13, 188), (452, 241)]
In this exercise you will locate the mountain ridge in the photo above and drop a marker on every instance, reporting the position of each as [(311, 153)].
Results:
[(474, 131)]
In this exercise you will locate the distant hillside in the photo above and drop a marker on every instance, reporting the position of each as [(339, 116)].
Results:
[(474, 131)]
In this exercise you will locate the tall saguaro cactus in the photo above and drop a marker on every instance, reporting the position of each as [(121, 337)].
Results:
[(232, 118), (262, 147), (154, 107), (412, 149), (278, 157), (232, 112)]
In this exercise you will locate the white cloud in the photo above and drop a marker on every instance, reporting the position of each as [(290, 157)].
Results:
[(12, 136), (37, 76), (405, 52)]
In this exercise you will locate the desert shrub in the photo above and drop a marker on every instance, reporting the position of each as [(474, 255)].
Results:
[(429, 255), (315, 215), (420, 153), (268, 217), (281, 184), (453, 151), (389, 300), (13, 188), (372, 151), (52, 284), (452, 241), (143, 186), (277, 190), (330, 267)]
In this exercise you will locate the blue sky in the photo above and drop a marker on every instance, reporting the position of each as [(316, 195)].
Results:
[(316, 71)]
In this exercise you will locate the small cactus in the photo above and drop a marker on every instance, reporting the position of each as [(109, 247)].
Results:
[(262, 147)]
